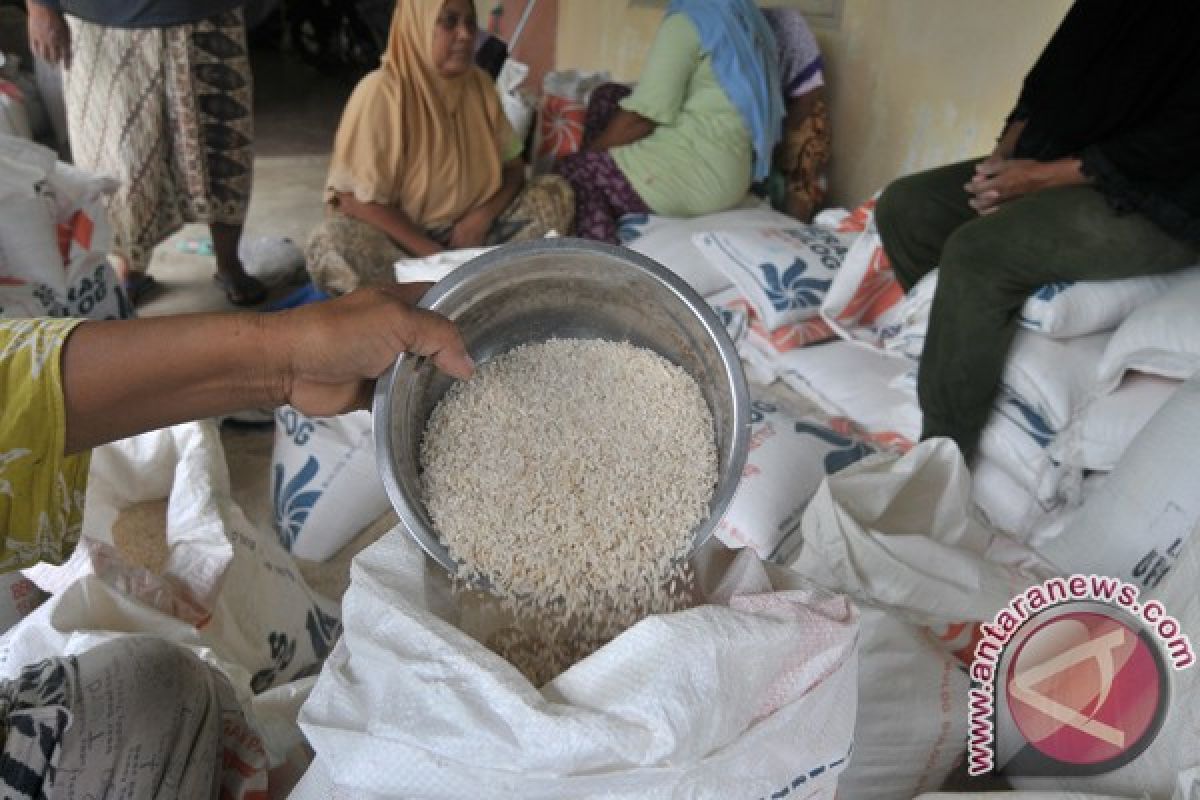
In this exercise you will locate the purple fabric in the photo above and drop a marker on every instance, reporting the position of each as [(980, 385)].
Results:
[(602, 192), (602, 107)]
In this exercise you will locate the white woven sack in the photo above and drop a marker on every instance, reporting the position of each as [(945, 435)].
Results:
[(229, 591), (1160, 338), (897, 533), (668, 240), (911, 728), (1100, 434), (54, 238), (325, 487), (1067, 309), (788, 459), (1170, 767), (28, 240), (754, 699), (784, 270), (1139, 526)]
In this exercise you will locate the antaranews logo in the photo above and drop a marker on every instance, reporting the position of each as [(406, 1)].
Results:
[(1072, 677)]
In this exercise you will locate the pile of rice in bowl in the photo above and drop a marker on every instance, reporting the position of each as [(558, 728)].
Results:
[(570, 475)]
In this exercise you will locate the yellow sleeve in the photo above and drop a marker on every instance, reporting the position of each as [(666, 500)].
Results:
[(663, 85), (41, 489)]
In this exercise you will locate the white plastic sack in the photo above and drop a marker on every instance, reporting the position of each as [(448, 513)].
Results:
[(864, 304), (1099, 435), (1170, 766), (1067, 309), (911, 728), (1012, 508), (14, 115), (762, 351), (1021, 796), (325, 487), (846, 379), (1160, 338), (273, 260), (229, 593), (1138, 527), (784, 271), (897, 533), (517, 107), (750, 700), (28, 242), (788, 458), (668, 240), (54, 238), (231, 581)]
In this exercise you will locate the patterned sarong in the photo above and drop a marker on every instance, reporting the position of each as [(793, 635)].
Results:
[(166, 111)]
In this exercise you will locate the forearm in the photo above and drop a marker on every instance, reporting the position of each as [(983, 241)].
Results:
[(128, 376), (392, 221), (514, 179), (1006, 145), (1063, 172), (625, 128)]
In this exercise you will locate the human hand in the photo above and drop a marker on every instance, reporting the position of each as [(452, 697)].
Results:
[(49, 37), (997, 181), (471, 230), (332, 352)]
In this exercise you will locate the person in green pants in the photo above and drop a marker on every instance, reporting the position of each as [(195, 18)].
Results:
[(1095, 177)]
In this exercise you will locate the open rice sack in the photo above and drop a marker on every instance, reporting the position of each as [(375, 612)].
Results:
[(752, 695), (162, 533)]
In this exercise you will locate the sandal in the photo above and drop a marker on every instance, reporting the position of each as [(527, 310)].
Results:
[(242, 292), (140, 287)]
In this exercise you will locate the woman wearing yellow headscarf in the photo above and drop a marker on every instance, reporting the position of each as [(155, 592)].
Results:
[(424, 158)]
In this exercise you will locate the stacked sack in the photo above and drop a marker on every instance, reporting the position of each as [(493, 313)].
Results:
[(1092, 363), (54, 238)]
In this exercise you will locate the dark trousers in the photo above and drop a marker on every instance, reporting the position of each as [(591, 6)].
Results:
[(989, 265)]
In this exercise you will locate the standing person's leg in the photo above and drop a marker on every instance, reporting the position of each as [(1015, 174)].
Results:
[(988, 269), (602, 107), (916, 214), (213, 126), (116, 122), (602, 194)]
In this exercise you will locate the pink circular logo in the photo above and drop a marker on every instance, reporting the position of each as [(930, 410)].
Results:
[(1085, 689)]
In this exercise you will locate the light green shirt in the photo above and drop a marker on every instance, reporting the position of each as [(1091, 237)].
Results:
[(699, 158)]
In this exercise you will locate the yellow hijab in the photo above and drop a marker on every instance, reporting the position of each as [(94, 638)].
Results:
[(413, 139)]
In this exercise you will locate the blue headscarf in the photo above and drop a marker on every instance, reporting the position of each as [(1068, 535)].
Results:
[(746, 62)]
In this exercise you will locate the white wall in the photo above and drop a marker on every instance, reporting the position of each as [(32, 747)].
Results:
[(913, 83)]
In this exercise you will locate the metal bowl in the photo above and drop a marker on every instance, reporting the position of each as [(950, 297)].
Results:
[(565, 289)]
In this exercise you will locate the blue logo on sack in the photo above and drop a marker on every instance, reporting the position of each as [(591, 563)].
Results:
[(1027, 418), (293, 502), (631, 227), (849, 450), (791, 290)]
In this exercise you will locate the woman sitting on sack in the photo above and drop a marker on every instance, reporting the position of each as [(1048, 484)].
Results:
[(701, 125), (425, 159)]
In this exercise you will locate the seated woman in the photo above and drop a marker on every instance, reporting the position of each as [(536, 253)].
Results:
[(699, 128), (425, 159), (797, 184)]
